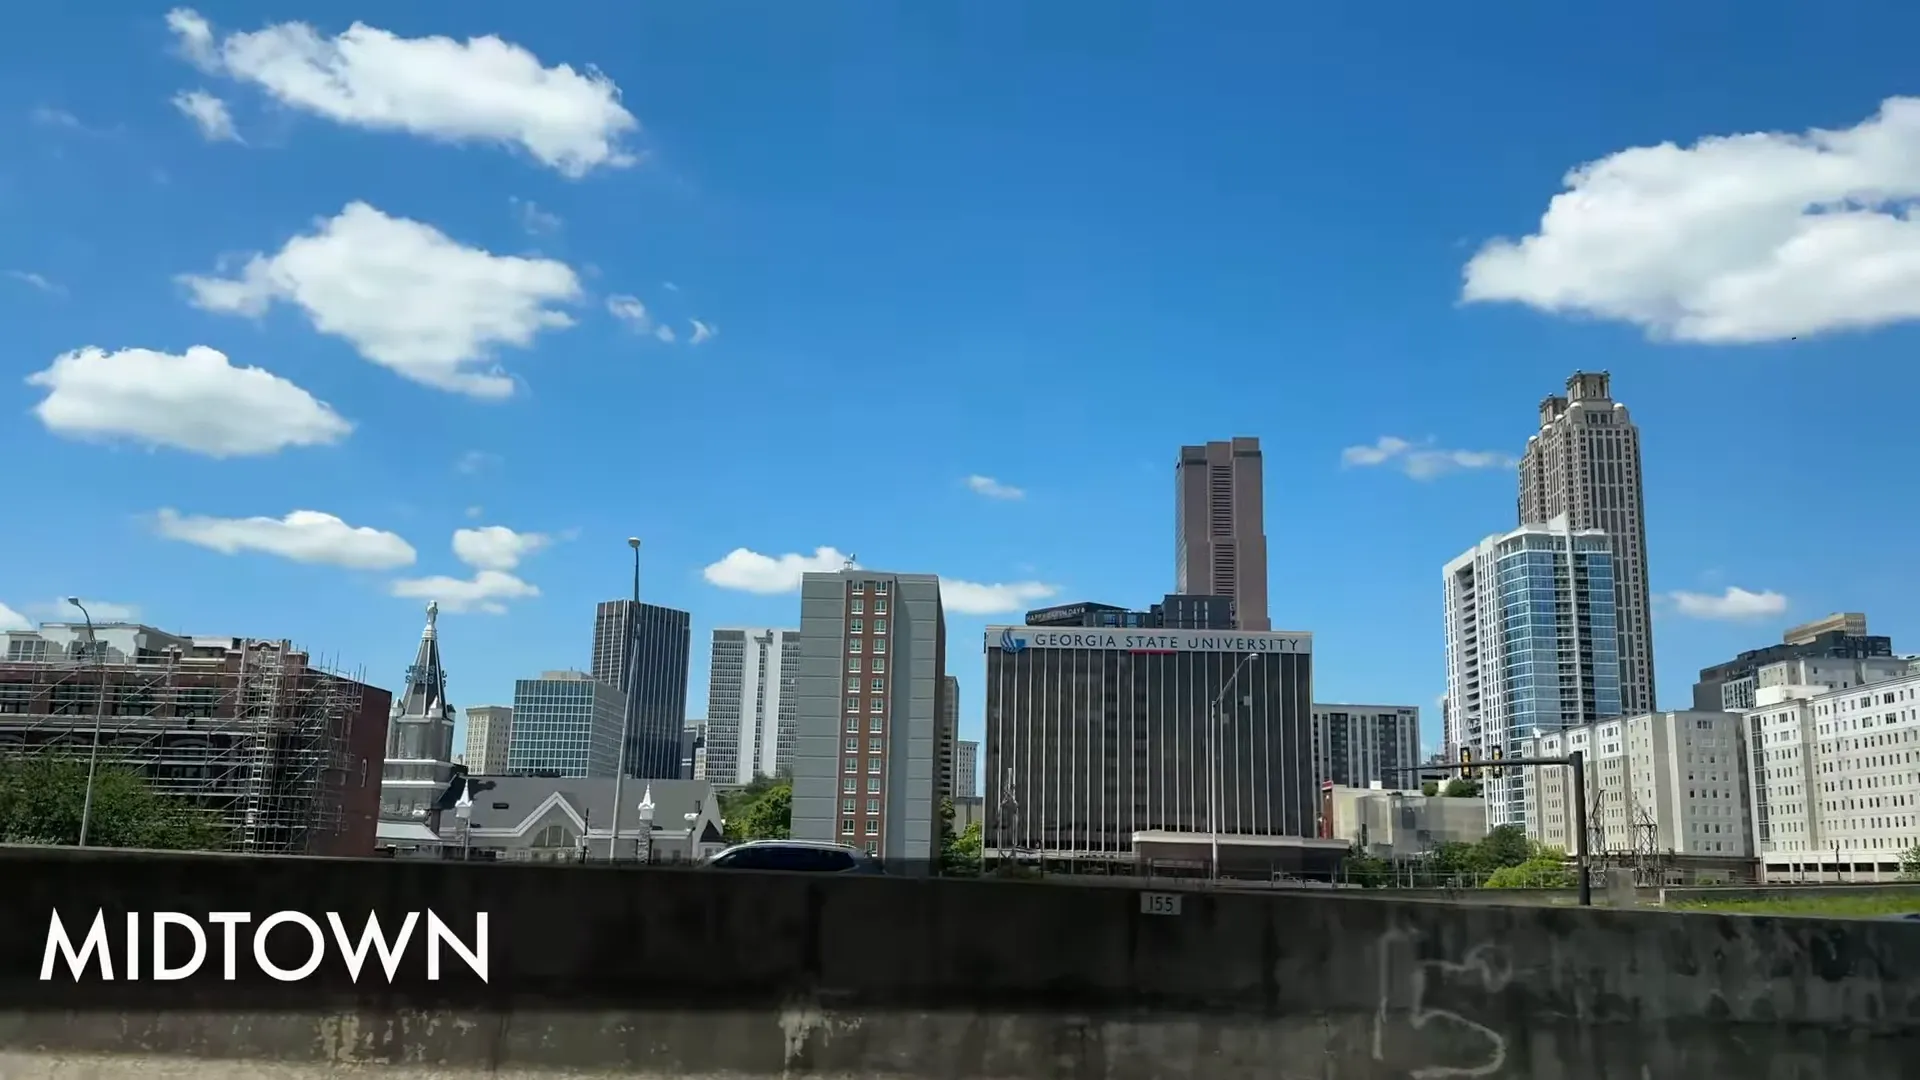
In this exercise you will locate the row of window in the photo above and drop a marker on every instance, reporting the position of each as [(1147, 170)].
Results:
[(880, 588), (855, 645), (859, 606), (855, 626)]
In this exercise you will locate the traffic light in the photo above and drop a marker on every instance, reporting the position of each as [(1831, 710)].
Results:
[(1498, 770), (1467, 770)]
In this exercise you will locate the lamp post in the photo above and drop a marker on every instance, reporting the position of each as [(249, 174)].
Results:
[(626, 712), (99, 718), (1213, 767)]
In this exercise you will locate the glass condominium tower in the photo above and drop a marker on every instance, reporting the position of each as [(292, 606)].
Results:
[(1532, 633)]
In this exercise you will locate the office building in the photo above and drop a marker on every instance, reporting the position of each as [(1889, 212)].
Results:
[(873, 658), (1175, 611), (567, 723), (1531, 645), (1584, 465), (1835, 788), (950, 734), (693, 751), (1657, 784), (1731, 685), (1220, 537), (489, 731), (643, 650), (966, 769), (1396, 823), (750, 704), (1094, 736), (1358, 746)]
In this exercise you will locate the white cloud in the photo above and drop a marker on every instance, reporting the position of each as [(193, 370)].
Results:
[(496, 547), (307, 536), (968, 598), (702, 332), (480, 90), (12, 620), (405, 295), (475, 511), (750, 571), (38, 281), (1735, 603), (1741, 238), (208, 113), (47, 116), (629, 310), (1422, 461), (198, 402), (533, 219), (484, 592), (994, 489), (103, 611), (664, 333), (476, 461)]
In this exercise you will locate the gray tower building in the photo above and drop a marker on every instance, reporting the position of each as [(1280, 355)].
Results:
[(644, 650), (750, 704), (1219, 537), (870, 738), (419, 762), (1584, 464)]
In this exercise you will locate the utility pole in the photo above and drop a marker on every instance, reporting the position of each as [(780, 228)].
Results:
[(1576, 761), (626, 713), (99, 719)]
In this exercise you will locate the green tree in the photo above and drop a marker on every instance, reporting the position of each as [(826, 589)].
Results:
[(1429, 788), (1910, 864), (1460, 788), (42, 796), (1503, 847), (1545, 868), (1366, 871), (762, 810)]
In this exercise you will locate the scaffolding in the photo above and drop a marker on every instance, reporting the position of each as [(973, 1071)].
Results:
[(247, 731)]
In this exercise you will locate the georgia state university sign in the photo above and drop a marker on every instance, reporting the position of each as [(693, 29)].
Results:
[(1014, 639)]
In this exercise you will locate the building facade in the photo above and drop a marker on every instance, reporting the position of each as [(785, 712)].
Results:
[(966, 769), (693, 751), (1358, 746), (1175, 611), (644, 649), (949, 733), (1834, 780), (419, 760), (870, 738), (1395, 823), (1731, 685), (567, 724), (751, 707), (1531, 639), (1220, 537), (1584, 465), (489, 733), (1094, 736), (1656, 784)]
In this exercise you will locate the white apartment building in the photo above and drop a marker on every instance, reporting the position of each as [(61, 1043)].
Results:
[(1359, 746), (1835, 773), (1532, 646), (751, 704), (489, 735), (1657, 782)]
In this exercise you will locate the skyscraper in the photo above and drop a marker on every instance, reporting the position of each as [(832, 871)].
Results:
[(873, 655), (489, 733), (645, 656), (1585, 464), (566, 723), (750, 703), (1220, 538), (949, 734), (1531, 646)]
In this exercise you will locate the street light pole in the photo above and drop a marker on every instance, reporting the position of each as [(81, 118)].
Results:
[(1214, 721), (99, 718), (626, 712)]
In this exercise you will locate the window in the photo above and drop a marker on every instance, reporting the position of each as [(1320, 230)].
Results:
[(873, 764), (854, 626), (880, 606), (878, 705), (853, 664), (849, 786), (879, 626), (881, 587), (873, 784), (858, 606), (846, 806), (846, 826), (877, 723), (879, 666), (853, 644), (877, 685), (873, 806), (880, 647), (873, 745), (853, 746), (853, 704), (873, 847), (873, 828), (857, 587), (853, 764), (853, 723)]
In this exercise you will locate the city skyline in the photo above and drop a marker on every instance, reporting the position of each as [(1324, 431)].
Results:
[(227, 437)]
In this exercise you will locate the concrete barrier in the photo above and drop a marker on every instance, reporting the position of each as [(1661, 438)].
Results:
[(707, 973)]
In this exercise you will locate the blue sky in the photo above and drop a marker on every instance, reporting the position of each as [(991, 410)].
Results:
[(1045, 244)]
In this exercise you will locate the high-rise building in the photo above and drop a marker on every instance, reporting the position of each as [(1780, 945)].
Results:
[(1175, 611), (873, 656), (1094, 735), (1531, 646), (645, 655), (1731, 685), (966, 768), (489, 732), (693, 750), (1220, 538), (566, 723), (750, 704), (1361, 745), (1830, 771), (949, 734), (1662, 782), (1584, 465)]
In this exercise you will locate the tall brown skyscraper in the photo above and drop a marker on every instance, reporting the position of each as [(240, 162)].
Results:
[(1219, 538)]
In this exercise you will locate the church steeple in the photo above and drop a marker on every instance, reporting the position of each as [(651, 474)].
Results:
[(421, 727)]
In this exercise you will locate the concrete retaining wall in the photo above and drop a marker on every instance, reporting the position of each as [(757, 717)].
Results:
[(707, 973)]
